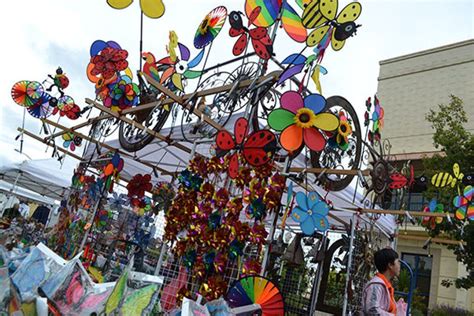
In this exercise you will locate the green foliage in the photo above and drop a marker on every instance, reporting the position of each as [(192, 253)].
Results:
[(456, 144), (334, 295)]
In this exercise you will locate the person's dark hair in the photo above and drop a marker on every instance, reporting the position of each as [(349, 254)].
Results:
[(383, 257)]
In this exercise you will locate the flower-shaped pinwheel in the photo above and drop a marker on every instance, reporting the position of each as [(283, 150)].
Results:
[(101, 218), (141, 205), (433, 207), (138, 185), (122, 93), (163, 195), (71, 141), (465, 204), (300, 121), (112, 170), (311, 213), (118, 201), (377, 119), (342, 134), (179, 68), (109, 61)]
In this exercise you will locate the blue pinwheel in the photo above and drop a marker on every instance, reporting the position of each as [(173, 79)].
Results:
[(311, 213)]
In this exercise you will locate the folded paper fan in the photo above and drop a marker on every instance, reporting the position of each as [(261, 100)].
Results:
[(256, 290)]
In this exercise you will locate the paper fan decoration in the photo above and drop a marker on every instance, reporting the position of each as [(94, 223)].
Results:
[(256, 290), (42, 108), (26, 93), (210, 27)]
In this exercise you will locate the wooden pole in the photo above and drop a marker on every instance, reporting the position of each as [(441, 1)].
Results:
[(49, 143), (435, 240), (399, 212), (330, 171), (138, 125), (163, 171)]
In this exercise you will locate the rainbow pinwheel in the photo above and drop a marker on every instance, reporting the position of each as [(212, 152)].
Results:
[(311, 213), (210, 27), (377, 119), (301, 120), (465, 204)]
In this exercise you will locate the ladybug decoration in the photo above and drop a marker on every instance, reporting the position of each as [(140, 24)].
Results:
[(60, 81), (399, 181), (261, 41), (256, 148)]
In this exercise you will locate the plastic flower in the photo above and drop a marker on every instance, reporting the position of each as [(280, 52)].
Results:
[(465, 204), (433, 207), (122, 94), (111, 171), (301, 120), (311, 213)]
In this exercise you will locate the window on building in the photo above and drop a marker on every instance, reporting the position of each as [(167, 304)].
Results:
[(421, 266)]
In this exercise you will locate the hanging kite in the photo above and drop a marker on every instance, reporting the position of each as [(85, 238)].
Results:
[(153, 9), (257, 148)]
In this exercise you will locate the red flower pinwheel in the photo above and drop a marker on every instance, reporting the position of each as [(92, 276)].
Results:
[(138, 185), (109, 61), (301, 120)]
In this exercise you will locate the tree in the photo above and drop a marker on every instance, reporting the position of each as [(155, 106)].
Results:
[(456, 145)]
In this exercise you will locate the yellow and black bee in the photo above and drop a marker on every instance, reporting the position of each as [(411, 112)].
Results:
[(321, 14), (443, 179)]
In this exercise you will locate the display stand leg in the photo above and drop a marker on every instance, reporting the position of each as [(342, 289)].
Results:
[(349, 264), (164, 248), (317, 278)]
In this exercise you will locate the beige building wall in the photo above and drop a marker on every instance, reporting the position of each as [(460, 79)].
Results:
[(410, 85), (444, 267)]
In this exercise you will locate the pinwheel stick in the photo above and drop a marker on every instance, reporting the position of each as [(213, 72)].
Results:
[(330, 171), (398, 212)]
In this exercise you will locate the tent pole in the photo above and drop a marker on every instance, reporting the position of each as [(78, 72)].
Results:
[(349, 265)]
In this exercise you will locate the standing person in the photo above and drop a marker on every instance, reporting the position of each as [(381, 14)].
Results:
[(378, 298)]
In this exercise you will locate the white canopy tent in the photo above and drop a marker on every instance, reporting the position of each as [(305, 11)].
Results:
[(173, 159), (45, 177)]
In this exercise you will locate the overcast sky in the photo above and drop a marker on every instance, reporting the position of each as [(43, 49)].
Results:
[(39, 36)]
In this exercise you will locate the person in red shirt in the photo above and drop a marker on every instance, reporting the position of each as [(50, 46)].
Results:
[(378, 297)]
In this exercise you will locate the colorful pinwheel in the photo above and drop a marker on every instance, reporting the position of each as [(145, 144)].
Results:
[(123, 94), (112, 170), (300, 121), (71, 141), (27, 93), (377, 119), (433, 207), (138, 185), (311, 213), (153, 9), (118, 201), (465, 204), (340, 138), (210, 27), (178, 69)]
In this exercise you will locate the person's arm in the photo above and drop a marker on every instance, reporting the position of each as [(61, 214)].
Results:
[(374, 299)]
